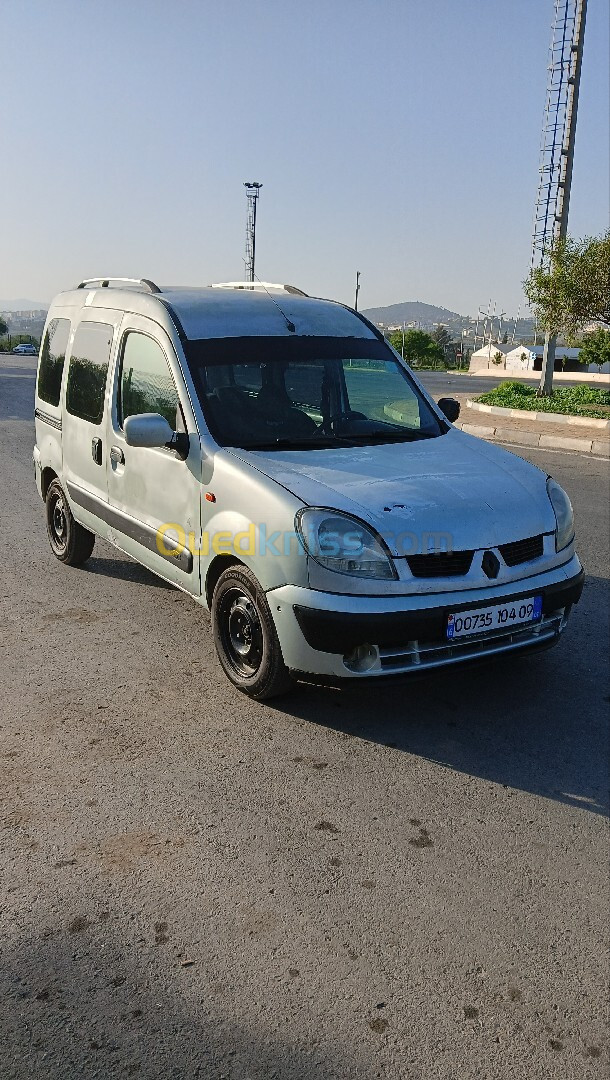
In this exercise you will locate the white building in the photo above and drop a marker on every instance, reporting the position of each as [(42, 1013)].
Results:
[(486, 357), (529, 358), (516, 358)]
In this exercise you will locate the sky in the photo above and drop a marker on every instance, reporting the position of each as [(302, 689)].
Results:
[(399, 138)]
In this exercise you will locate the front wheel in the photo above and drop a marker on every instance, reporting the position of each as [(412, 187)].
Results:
[(70, 542), (245, 636)]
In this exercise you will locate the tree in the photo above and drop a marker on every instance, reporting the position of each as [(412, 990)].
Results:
[(418, 348), (595, 348), (441, 335), (3, 326), (574, 288)]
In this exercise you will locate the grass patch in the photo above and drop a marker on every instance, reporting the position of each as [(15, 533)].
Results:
[(571, 400)]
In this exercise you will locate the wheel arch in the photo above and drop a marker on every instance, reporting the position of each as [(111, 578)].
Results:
[(218, 565), (47, 477)]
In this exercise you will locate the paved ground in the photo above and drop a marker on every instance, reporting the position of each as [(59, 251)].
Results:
[(401, 883), (441, 383)]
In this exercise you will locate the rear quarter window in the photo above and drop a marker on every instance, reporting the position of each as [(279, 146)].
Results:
[(88, 371), (52, 356)]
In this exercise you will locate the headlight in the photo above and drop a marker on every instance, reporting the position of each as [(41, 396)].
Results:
[(344, 544), (564, 515)]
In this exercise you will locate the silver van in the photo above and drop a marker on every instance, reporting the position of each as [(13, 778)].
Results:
[(270, 454)]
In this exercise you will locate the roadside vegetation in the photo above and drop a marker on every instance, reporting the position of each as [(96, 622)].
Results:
[(422, 350), (574, 289), (572, 400), (595, 347), (8, 342)]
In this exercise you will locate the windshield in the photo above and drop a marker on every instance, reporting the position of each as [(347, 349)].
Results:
[(307, 393)]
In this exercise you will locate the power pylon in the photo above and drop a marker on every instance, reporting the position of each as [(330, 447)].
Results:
[(557, 147)]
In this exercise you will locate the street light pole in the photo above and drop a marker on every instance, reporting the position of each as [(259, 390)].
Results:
[(357, 290)]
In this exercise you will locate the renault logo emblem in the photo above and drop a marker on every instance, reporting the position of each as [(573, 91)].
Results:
[(491, 564)]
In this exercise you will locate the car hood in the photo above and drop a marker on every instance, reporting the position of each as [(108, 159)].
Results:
[(456, 486)]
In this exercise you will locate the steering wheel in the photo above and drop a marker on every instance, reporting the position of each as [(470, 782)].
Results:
[(339, 421)]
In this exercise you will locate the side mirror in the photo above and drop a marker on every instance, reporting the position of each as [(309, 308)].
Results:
[(450, 407), (152, 429)]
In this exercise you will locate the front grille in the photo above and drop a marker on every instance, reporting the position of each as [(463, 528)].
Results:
[(440, 564), (429, 654), (419, 655), (521, 551)]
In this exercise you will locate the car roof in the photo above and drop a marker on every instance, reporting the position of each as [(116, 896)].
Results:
[(230, 309)]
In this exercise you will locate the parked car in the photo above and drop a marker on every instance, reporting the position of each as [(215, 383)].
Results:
[(271, 455), (25, 350)]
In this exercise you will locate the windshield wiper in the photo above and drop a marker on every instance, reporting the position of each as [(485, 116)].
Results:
[(337, 441), (390, 436)]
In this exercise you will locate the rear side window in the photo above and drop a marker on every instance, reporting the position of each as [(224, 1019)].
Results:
[(52, 356), (88, 371), (146, 384)]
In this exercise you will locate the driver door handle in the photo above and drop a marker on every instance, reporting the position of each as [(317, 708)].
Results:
[(116, 455)]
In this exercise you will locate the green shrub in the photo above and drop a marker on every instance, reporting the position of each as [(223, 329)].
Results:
[(581, 400)]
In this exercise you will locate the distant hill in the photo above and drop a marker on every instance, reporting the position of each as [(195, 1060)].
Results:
[(23, 305), (413, 311)]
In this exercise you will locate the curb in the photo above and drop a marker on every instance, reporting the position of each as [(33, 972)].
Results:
[(599, 447), (549, 418)]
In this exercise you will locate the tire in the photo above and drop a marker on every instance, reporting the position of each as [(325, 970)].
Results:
[(70, 542), (245, 636)]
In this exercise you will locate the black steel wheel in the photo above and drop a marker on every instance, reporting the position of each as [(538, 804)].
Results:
[(70, 542), (241, 631), (245, 636)]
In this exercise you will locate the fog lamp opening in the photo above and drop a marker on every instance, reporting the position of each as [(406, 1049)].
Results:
[(362, 658)]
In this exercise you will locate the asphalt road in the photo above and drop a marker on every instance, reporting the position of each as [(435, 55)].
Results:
[(446, 382), (405, 882)]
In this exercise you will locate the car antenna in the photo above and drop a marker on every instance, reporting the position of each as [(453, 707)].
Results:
[(289, 324)]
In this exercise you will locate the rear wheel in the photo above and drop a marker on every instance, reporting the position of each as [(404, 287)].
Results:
[(70, 542), (245, 636)]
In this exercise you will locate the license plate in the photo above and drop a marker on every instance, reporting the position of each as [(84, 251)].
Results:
[(479, 620)]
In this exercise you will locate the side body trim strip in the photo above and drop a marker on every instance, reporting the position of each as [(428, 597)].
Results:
[(46, 418)]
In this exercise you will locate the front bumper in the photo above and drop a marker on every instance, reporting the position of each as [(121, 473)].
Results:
[(326, 634)]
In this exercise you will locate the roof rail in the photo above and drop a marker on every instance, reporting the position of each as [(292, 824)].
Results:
[(104, 283)]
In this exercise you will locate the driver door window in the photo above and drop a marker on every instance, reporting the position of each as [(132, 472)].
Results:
[(146, 383)]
